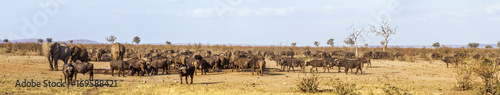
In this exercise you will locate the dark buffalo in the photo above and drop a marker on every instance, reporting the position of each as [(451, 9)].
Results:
[(318, 63), (83, 68), (138, 65), (186, 70), (119, 65), (349, 64), (451, 60), (69, 71)]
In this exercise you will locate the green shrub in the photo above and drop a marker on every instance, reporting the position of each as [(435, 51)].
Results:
[(342, 88), (394, 90), (309, 83)]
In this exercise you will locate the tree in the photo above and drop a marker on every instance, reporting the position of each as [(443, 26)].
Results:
[(71, 41), (294, 44), (49, 40), (5, 40), (385, 30), (366, 45), (136, 40), (316, 43), (168, 42), (355, 33), (111, 39), (40, 40), (488, 46), (498, 44), (382, 42), (436, 45), (349, 41), (330, 42), (473, 45)]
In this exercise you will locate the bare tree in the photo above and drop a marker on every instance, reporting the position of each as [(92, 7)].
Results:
[(355, 34), (111, 39), (385, 30)]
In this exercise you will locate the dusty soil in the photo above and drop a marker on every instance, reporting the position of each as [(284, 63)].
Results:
[(421, 77)]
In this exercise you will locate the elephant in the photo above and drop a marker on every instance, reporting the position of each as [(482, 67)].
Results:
[(117, 51), (78, 53), (54, 52)]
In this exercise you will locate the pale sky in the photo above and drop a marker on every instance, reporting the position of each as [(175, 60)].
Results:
[(252, 22)]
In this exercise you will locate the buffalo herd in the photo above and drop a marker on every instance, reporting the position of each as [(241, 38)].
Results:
[(187, 62)]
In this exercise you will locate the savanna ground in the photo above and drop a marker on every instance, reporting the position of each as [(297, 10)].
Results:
[(419, 77)]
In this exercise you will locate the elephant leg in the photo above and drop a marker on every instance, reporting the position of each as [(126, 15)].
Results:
[(55, 64), (50, 63)]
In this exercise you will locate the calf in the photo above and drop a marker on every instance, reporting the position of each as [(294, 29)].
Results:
[(349, 64), (186, 70), (83, 68), (119, 65), (69, 71)]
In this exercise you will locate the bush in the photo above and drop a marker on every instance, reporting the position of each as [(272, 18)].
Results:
[(342, 88), (309, 83), (394, 90), (486, 70), (464, 79), (8, 48)]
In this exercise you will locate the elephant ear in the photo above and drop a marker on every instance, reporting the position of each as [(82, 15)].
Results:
[(55, 48)]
